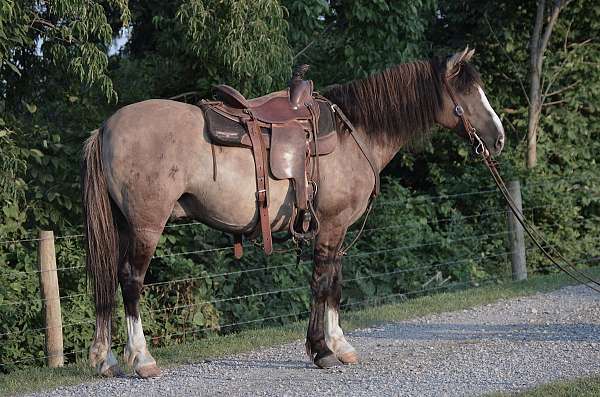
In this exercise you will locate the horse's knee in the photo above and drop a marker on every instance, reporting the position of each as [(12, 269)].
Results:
[(326, 278)]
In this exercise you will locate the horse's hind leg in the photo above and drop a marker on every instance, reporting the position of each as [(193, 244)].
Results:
[(141, 246), (325, 341), (101, 356)]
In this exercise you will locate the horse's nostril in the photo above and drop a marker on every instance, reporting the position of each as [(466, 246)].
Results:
[(500, 142)]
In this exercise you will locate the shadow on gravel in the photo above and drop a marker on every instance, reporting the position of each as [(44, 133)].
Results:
[(510, 332)]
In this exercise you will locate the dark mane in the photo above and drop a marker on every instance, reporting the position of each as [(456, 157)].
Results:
[(399, 104)]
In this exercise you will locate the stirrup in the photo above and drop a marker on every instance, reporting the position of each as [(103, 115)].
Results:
[(313, 228)]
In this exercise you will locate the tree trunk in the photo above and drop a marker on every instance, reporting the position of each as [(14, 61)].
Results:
[(537, 47)]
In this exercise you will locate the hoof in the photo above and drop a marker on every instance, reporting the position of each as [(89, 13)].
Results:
[(148, 371), (328, 361), (113, 372), (349, 358)]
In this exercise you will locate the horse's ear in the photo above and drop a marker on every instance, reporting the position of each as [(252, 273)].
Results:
[(453, 63), (469, 55)]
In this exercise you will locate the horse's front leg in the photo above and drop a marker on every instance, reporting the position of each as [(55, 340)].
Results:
[(325, 341)]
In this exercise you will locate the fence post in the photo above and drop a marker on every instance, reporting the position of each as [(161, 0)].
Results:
[(516, 237), (51, 299)]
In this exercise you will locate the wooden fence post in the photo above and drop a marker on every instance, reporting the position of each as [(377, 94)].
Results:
[(516, 237), (51, 299)]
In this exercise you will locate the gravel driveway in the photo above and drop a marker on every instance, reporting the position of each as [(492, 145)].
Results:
[(506, 346)]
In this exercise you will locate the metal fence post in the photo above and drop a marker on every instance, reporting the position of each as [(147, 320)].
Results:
[(51, 299), (516, 237)]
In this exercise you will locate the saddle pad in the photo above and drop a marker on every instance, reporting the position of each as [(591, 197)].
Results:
[(224, 131), (326, 118)]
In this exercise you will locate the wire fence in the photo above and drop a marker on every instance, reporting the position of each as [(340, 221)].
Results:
[(264, 268), (393, 297), (297, 315), (487, 190), (350, 233), (421, 267), (449, 282)]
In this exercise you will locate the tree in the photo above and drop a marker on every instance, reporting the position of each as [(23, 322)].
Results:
[(345, 40), (68, 34), (48, 50), (537, 47), (190, 45)]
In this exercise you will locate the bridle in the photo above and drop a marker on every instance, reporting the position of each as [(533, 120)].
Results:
[(471, 131), (539, 240)]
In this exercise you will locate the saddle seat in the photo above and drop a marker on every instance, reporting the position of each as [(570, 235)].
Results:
[(276, 107), (287, 131), (274, 112)]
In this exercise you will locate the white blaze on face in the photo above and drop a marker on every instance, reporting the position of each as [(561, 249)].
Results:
[(491, 111), (334, 336)]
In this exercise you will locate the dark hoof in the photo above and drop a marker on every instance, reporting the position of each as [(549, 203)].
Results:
[(113, 372), (328, 361), (148, 371)]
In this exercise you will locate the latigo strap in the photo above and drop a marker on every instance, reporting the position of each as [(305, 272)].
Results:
[(262, 182)]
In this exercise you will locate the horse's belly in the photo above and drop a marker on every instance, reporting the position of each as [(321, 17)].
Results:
[(225, 198)]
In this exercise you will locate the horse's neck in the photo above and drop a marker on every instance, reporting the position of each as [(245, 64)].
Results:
[(383, 151), (384, 147)]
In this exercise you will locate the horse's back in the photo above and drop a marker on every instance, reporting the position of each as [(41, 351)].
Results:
[(155, 116)]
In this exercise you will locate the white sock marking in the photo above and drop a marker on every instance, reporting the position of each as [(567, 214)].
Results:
[(334, 336), (135, 332), (136, 343)]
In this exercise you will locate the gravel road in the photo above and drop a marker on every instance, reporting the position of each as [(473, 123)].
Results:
[(510, 345)]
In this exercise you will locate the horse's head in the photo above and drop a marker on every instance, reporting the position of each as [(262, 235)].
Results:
[(463, 96)]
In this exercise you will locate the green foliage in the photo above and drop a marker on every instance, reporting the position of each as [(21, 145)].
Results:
[(245, 38), (71, 34), (363, 36)]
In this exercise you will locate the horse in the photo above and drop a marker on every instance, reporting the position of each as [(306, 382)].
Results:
[(152, 161)]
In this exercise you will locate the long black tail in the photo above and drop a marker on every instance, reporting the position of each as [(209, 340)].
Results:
[(101, 239)]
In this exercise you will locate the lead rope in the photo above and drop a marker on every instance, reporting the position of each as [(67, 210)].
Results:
[(536, 236), (344, 250)]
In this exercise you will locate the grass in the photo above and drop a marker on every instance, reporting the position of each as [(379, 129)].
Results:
[(582, 387), (35, 379)]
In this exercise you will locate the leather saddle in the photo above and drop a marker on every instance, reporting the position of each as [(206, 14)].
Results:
[(287, 131)]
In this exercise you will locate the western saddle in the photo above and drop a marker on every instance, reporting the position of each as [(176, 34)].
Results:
[(287, 131)]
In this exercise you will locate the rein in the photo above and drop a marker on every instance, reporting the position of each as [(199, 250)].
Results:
[(376, 188), (536, 236)]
